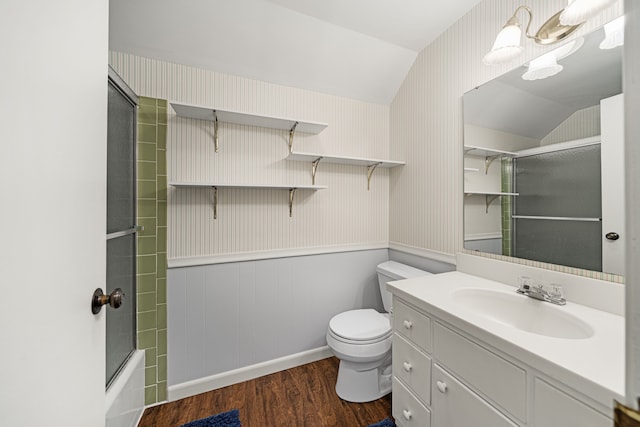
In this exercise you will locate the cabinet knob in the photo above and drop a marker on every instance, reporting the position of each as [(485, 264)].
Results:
[(442, 386), (407, 414), (407, 366), (408, 324)]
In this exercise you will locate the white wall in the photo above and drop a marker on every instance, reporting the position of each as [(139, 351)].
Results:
[(426, 202), (53, 86), (581, 124)]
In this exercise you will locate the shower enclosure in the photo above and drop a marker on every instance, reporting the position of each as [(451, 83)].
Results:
[(557, 216), (121, 223)]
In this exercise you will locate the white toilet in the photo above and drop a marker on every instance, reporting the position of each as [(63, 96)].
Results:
[(361, 339)]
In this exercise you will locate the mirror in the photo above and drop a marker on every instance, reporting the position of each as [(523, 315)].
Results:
[(543, 177)]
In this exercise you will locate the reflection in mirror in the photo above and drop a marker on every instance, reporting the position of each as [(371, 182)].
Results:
[(543, 159)]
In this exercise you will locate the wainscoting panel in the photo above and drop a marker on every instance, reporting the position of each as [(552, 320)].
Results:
[(224, 317)]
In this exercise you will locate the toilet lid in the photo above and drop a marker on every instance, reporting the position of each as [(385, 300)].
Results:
[(360, 325)]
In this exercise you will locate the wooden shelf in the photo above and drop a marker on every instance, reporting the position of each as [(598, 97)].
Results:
[(490, 193), (265, 186), (228, 116), (489, 196), (315, 159), (215, 186), (475, 150), (236, 117)]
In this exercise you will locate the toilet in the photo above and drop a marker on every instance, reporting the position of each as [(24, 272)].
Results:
[(361, 339)]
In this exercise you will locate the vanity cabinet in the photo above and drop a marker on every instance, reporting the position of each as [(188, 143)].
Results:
[(443, 377)]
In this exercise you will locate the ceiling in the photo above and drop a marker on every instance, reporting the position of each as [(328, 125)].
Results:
[(359, 49)]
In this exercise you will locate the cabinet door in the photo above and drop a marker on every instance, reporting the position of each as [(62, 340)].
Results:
[(555, 408), (454, 405)]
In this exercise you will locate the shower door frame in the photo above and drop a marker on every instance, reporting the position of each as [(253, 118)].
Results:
[(121, 86)]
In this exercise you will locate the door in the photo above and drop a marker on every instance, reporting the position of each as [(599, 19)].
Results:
[(53, 211), (613, 229)]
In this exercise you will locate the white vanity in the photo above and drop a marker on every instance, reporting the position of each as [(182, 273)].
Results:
[(469, 351)]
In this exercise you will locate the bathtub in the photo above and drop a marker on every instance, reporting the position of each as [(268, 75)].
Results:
[(124, 401)]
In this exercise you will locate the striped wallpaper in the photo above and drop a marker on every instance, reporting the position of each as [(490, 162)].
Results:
[(252, 220), (581, 124), (426, 201)]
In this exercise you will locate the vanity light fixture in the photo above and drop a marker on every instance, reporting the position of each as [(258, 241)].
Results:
[(613, 34), (547, 64), (507, 45), (579, 11)]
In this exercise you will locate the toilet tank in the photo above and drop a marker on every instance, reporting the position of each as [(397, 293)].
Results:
[(389, 271)]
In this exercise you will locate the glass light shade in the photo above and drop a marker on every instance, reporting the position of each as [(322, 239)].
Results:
[(613, 34), (578, 11), (542, 67), (506, 47)]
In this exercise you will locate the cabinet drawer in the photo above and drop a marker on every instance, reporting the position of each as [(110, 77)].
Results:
[(413, 325), (413, 367), (454, 405), (406, 409), (555, 408), (496, 378)]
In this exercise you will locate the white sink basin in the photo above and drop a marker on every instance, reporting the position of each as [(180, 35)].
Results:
[(523, 313)]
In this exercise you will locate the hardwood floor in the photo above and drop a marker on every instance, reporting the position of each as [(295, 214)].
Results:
[(299, 397)]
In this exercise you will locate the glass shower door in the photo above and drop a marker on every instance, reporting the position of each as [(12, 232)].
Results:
[(121, 223), (557, 217)]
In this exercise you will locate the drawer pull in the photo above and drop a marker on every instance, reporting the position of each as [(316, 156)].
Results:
[(408, 324), (407, 366), (407, 414), (442, 386)]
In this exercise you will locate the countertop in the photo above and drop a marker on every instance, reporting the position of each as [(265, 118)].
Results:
[(593, 366)]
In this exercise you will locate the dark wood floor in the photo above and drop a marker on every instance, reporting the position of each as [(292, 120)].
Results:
[(299, 397)]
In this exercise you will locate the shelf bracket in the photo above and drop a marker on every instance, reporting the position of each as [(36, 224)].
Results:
[(215, 130), (291, 133), (314, 169), (488, 199), (487, 162), (215, 202), (292, 192), (370, 170)]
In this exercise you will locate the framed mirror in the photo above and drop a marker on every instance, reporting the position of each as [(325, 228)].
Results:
[(543, 159)]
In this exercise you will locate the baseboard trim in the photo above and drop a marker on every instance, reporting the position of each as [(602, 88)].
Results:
[(213, 382)]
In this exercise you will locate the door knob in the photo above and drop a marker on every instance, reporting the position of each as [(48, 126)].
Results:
[(114, 299), (612, 236)]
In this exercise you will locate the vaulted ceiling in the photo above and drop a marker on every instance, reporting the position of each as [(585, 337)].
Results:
[(360, 49)]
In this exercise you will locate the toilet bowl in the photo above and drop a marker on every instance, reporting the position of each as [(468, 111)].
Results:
[(361, 339)]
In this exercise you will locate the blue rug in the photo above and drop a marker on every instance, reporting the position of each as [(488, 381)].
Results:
[(384, 423), (225, 419)]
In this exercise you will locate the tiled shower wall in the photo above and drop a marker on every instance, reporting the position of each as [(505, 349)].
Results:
[(426, 201), (152, 245)]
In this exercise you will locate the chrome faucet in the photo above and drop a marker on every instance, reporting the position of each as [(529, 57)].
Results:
[(554, 295)]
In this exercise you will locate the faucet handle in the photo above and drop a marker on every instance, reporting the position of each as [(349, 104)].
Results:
[(556, 291)]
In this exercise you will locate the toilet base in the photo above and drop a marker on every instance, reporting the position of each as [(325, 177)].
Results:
[(364, 385)]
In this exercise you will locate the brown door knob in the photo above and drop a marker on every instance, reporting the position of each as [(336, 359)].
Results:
[(114, 299)]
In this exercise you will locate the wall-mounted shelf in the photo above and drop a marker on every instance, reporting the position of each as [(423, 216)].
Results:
[(228, 116), (315, 160), (489, 196), (489, 154), (215, 186)]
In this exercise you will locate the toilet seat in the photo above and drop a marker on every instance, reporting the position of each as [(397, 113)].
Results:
[(360, 327)]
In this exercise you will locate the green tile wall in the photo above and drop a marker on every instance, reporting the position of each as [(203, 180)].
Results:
[(152, 245), (507, 206)]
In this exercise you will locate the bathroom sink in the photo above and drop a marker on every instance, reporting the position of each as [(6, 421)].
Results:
[(523, 313)]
